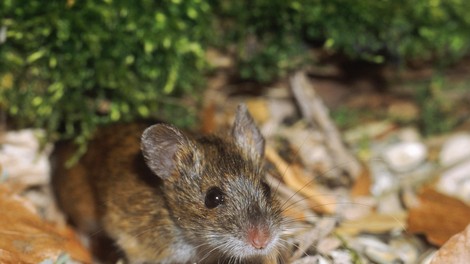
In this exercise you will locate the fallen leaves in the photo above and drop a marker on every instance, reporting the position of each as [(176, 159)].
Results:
[(363, 183), (438, 216), (297, 180), (26, 238), (373, 223)]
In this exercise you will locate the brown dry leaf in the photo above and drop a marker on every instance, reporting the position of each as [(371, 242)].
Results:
[(294, 213), (298, 181), (362, 184), (26, 238), (455, 250), (259, 110), (373, 223), (289, 198), (438, 216)]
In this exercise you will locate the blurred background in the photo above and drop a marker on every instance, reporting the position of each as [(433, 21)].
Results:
[(369, 100)]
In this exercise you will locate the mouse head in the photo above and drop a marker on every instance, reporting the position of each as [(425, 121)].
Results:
[(214, 188)]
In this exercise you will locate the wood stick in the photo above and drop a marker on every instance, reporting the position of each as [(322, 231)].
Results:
[(316, 113)]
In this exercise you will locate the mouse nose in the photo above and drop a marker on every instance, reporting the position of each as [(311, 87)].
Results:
[(258, 237)]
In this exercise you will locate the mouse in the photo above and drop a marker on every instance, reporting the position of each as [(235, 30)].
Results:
[(165, 196)]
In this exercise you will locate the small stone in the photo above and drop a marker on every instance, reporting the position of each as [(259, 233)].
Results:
[(408, 134), (405, 156), (455, 149), (456, 182), (362, 242), (378, 251), (328, 244), (405, 249), (22, 160), (357, 208), (341, 257), (389, 203), (383, 179), (382, 255), (309, 260)]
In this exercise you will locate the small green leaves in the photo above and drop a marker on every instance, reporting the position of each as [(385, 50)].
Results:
[(77, 64)]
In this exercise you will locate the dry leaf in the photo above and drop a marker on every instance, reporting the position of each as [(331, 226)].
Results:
[(372, 223), (438, 216), (298, 181), (455, 250), (362, 184), (259, 110), (295, 206), (26, 238)]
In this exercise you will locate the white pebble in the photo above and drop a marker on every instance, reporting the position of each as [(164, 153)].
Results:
[(405, 156), (456, 181), (455, 149)]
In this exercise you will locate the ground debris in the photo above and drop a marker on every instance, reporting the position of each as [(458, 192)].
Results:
[(27, 238), (438, 216)]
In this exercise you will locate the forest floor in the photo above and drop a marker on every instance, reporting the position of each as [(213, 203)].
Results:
[(375, 159)]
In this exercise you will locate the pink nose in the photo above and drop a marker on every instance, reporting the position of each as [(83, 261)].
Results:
[(258, 238)]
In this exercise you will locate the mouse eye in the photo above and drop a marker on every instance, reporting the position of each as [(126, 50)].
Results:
[(266, 189), (214, 197)]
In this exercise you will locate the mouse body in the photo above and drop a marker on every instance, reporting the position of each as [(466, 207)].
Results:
[(166, 197)]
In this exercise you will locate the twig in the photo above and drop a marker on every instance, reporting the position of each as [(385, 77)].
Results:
[(315, 112)]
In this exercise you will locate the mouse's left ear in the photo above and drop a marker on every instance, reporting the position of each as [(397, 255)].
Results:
[(246, 134), (166, 148)]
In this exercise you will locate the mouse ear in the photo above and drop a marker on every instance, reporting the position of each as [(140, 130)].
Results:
[(247, 134), (160, 146)]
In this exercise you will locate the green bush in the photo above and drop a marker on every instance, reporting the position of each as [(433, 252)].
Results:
[(69, 66), (377, 31)]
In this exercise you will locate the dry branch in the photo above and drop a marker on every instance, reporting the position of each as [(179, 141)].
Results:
[(315, 113)]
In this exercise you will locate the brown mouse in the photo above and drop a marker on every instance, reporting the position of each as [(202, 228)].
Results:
[(167, 197)]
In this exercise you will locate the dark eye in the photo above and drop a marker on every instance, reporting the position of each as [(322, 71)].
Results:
[(266, 189), (214, 197)]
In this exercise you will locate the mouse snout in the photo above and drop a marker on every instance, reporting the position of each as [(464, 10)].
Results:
[(259, 237)]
